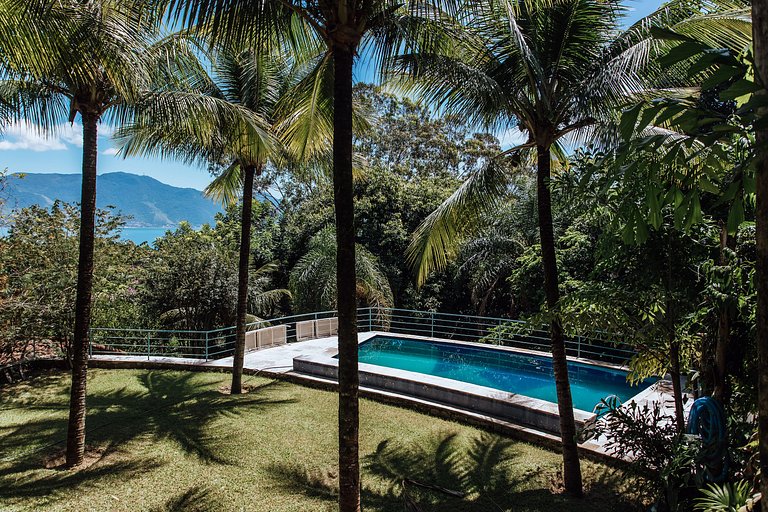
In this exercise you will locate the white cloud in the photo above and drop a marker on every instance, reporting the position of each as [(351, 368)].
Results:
[(30, 137), (110, 151), (512, 137), (71, 134)]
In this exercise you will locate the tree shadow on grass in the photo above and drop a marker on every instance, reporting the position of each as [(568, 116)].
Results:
[(447, 474), (438, 473), (195, 499), (28, 484), (171, 406)]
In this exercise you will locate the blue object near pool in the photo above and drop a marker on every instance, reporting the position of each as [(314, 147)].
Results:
[(514, 372)]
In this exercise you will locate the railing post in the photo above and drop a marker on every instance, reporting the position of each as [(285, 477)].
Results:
[(578, 346), (370, 319), (206, 346), (432, 328), (90, 343), (148, 346)]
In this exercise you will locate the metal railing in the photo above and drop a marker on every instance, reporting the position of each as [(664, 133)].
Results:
[(220, 343), (497, 331), (206, 345)]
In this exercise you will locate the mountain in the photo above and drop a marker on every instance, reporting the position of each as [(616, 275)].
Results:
[(148, 202)]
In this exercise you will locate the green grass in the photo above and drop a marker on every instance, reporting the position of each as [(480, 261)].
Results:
[(172, 441)]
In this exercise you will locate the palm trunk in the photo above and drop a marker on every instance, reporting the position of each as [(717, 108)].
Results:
[(760, 43), (677, 387), (242, 280), (349, 465), (571, 467), (674, 344), (76, 426), (721, 390)]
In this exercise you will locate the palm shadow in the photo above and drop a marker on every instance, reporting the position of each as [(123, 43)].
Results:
[(170, 406), (21, 484), (443, 473), (195, 499), (439, 473)]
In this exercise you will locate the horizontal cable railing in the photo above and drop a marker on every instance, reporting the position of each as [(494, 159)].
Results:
[(497, 331), (206, 345), (220, 343)]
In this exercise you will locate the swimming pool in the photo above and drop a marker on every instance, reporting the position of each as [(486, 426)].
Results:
[(514, 372)]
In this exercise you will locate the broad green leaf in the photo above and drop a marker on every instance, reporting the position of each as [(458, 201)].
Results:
[(735, 216), (739, 89), (720, 76), (629, 120), (708, 186), (681, 52)]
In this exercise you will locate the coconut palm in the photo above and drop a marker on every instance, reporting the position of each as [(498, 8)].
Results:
[(553, 70), (86, 58), (267, 90), (760, 45), (313, 278), (343, 27)]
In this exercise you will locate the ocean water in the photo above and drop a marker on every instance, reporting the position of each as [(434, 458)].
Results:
[(136, 235), (140, 235), (518, 373)]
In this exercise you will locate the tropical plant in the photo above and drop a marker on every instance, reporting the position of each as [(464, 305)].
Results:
[(504, 73), (191, 281), (343, 27), (663, 459), (38, 279), (725, 497), (94, 59), (231, 118), (313, 281), (760, 48), (720, 137)]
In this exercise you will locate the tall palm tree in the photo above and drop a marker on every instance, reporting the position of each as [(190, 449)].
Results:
[(61, 60), (554, 70), (760, 46), (342, 27), (260, 93)]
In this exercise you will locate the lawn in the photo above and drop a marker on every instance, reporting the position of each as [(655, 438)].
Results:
[(162, 441)]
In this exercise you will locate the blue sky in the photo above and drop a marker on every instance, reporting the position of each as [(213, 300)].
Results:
[(24, 149)]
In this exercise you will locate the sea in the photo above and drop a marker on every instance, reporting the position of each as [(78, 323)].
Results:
[(136, 235)]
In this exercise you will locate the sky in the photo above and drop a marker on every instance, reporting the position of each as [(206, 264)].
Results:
[(24, 148)]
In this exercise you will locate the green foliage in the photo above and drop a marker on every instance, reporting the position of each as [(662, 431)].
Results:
[(412, 163), (689, 144), (662, 459), (728, 497), (192, 276), (313, 278), (188, 281), (38, 276)]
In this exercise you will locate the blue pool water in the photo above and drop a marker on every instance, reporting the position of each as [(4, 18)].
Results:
[(518, 373)]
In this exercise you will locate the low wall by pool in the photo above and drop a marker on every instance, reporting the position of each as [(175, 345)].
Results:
[(515, 408)]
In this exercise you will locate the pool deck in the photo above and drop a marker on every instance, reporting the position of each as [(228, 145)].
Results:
[(278, 362)]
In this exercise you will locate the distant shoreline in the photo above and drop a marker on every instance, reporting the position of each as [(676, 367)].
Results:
[(136, 234)]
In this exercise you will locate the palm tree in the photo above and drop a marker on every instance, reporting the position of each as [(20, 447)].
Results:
[(313, 278), (342, 27), (553, 70), (92, 61), (259, 93), (760, 46)]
